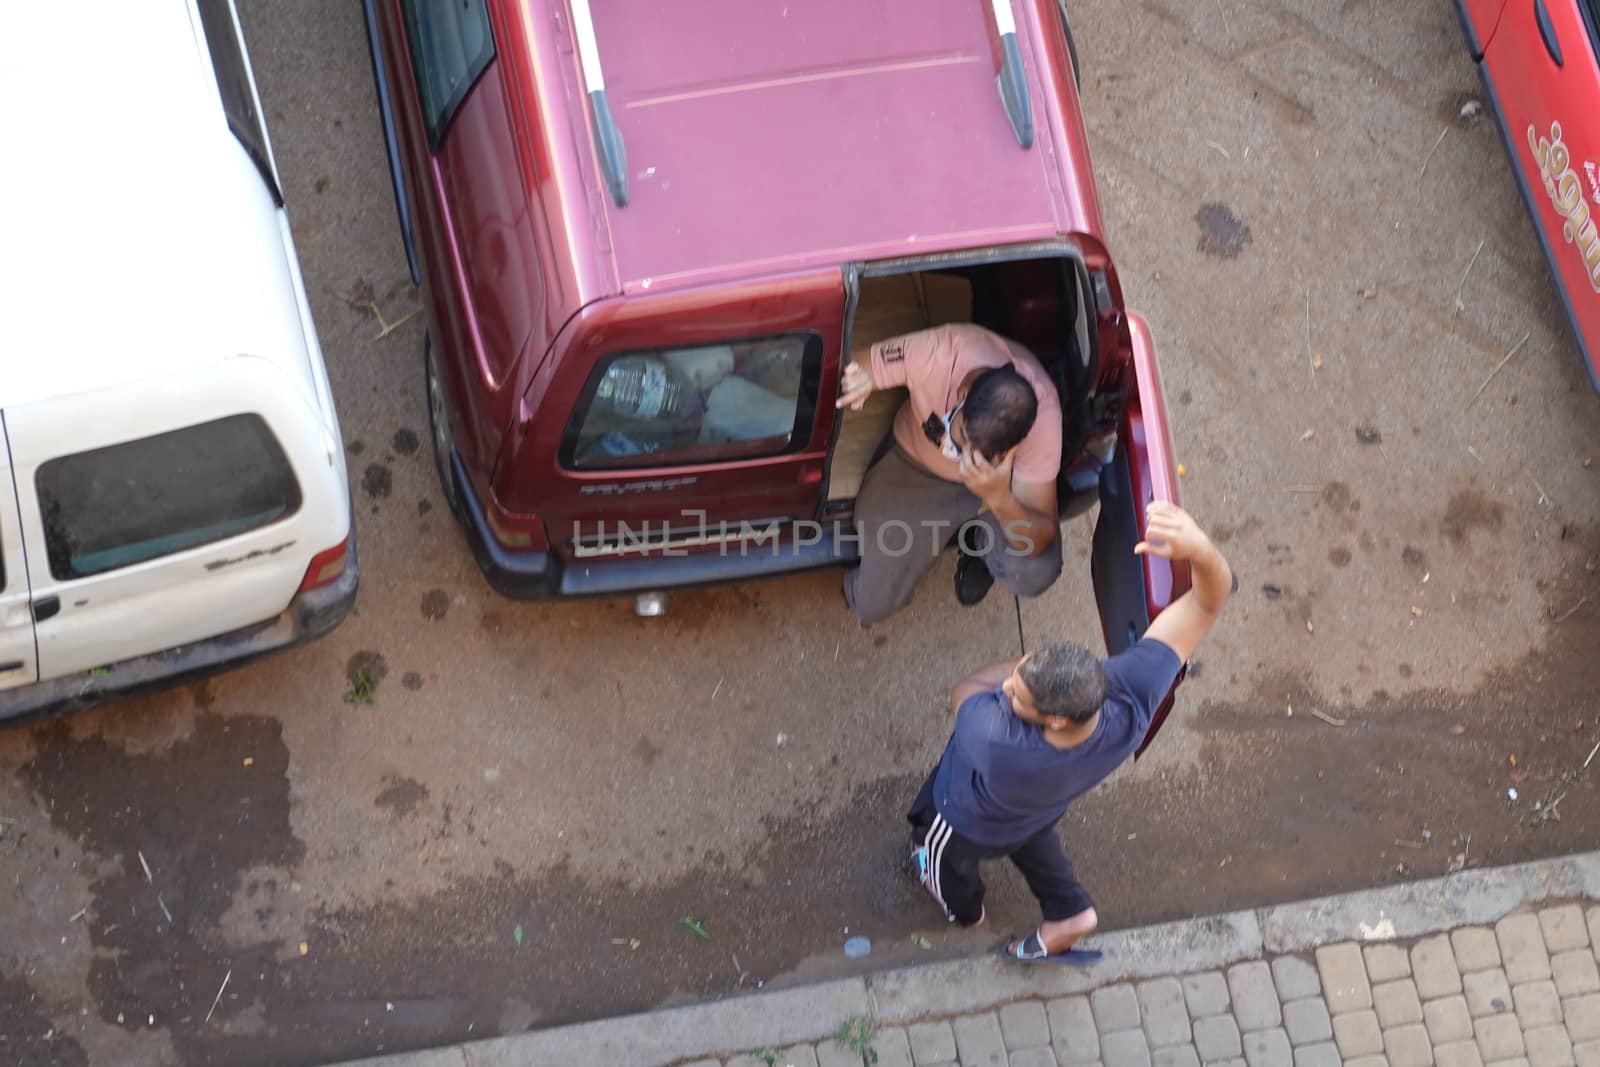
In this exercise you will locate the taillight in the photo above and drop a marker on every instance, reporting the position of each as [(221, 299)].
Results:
[(505, 534), (326, 566), (514, 530)]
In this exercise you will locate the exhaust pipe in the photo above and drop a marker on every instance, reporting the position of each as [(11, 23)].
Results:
[(650, 605)]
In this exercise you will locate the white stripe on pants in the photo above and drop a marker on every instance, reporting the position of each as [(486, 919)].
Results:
[(938, 837)]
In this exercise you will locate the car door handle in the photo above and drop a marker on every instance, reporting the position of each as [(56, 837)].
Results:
[(47, 607), (14, 665), (1547, 30)]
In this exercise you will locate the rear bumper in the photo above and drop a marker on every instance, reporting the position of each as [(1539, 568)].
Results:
[(545, 575), (308, 616), (791, 549)]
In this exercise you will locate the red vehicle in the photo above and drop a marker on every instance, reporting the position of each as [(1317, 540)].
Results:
[(1540, 62), (649, 235)]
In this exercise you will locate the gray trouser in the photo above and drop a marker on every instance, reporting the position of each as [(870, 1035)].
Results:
[(906, 517)]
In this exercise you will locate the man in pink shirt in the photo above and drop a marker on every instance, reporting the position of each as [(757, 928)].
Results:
[(976, 449)]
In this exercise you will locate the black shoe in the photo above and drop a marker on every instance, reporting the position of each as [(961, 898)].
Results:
[(972, 580)]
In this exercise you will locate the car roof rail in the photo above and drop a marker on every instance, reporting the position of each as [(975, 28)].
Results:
[(1012, 80), (607, 138)]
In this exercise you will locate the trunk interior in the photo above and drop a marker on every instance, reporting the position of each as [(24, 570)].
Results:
[(1039, 302)]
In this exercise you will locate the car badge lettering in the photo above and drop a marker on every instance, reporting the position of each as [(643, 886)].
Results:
[(1565, 190), (1594, 181), (655, 485)]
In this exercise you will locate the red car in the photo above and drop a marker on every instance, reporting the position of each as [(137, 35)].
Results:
[(648, 236), (1540, 62)]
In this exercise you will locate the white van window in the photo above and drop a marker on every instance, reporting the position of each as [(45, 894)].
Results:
[(451, 44), (124, 504), (233, 82)]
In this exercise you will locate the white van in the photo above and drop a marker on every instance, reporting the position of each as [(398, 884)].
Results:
[(173, 492)]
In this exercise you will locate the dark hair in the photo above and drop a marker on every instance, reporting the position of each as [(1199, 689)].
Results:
[(999, 411), (1067, 681)]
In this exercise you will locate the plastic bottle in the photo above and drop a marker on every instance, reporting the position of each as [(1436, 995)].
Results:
[(645, 388)]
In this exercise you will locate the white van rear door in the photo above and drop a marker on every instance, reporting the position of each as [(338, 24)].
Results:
[(18, 661), (162, 513)]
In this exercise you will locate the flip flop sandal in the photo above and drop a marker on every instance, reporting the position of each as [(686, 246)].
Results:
[(1031, 949)]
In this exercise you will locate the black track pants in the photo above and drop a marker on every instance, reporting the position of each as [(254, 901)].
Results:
[(953, 876)]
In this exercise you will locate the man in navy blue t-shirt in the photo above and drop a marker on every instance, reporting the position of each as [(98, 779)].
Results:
[(1034, 734)]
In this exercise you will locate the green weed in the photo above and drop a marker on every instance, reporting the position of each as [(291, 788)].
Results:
[(361, 687), (689, 924), (856, 1034)]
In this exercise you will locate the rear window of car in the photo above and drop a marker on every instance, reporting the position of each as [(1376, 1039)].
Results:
[(140, 500), (697, 404)]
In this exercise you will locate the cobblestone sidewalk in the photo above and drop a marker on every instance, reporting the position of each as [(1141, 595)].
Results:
[(1524, 992), (1498, 967)]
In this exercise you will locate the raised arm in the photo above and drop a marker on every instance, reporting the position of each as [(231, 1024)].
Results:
[(987, 678), (1171, 534), (1026, 511)]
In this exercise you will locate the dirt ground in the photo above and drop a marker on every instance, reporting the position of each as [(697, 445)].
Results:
[(255, 871)]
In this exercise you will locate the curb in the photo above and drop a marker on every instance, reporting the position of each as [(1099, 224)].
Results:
[(895, 998)]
